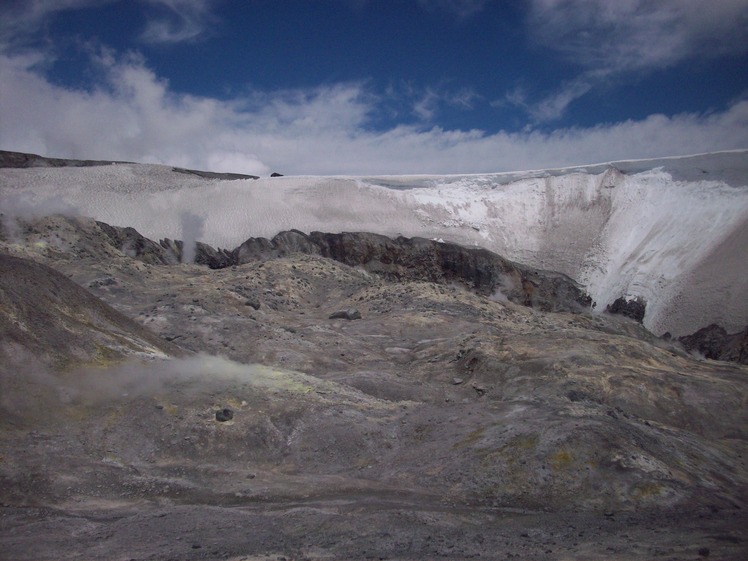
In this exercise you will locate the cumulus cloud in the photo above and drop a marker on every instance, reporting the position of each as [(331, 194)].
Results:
[(133, 114), (608, 40)]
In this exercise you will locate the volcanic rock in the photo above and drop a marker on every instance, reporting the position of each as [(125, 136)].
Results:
[(349, 314), (559, 417), (715, 343), (634, 308), (427, 260), (60, 323), (223, 415), (215, 175), (130, 242)]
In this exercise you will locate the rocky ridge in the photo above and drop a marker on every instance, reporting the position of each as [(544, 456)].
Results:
[(426, 260)]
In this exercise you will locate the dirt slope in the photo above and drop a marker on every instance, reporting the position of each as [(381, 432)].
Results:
[(442, 424)]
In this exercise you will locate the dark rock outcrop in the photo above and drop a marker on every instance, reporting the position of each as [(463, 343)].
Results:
[(276, 174), (427, 260), (132, 243), (22, 160), (715, 343), (214, 174), (167, 252), (398, 259), (213, 258), (634, 308)]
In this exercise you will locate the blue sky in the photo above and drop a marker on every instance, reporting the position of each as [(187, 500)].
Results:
[(373, 86)]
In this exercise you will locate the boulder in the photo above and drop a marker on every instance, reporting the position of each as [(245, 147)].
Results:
[(223, 415), (349, 314)]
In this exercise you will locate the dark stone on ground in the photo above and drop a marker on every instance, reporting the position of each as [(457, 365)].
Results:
[(276, 174), (350, 314), (104, 281), (576, 395), (223, 415)]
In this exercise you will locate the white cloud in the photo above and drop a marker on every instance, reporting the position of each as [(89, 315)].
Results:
[(134, 115), (610, 39), (640, 34)]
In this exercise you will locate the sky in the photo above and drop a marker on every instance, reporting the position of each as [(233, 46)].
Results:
[(357, 87)]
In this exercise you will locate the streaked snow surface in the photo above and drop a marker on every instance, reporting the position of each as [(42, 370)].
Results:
[(674, 231)]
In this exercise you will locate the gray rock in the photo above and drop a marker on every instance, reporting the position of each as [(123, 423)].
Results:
[(349, 314)]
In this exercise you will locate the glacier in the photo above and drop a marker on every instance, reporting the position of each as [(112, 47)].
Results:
[(673, 231)]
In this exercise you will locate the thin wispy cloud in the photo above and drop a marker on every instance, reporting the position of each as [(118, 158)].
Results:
[(639, 34), (176, 21), (552, 107), (20, 19), (461, 8), (609, 40), (167, 21)]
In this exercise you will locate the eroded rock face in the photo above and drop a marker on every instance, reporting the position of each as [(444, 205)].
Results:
[(130, 242), (392, 259), (715, 343)]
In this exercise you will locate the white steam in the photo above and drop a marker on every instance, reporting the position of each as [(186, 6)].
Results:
[(193, 227)]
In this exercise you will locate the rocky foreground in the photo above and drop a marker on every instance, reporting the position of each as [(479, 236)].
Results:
[(419, 401)]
